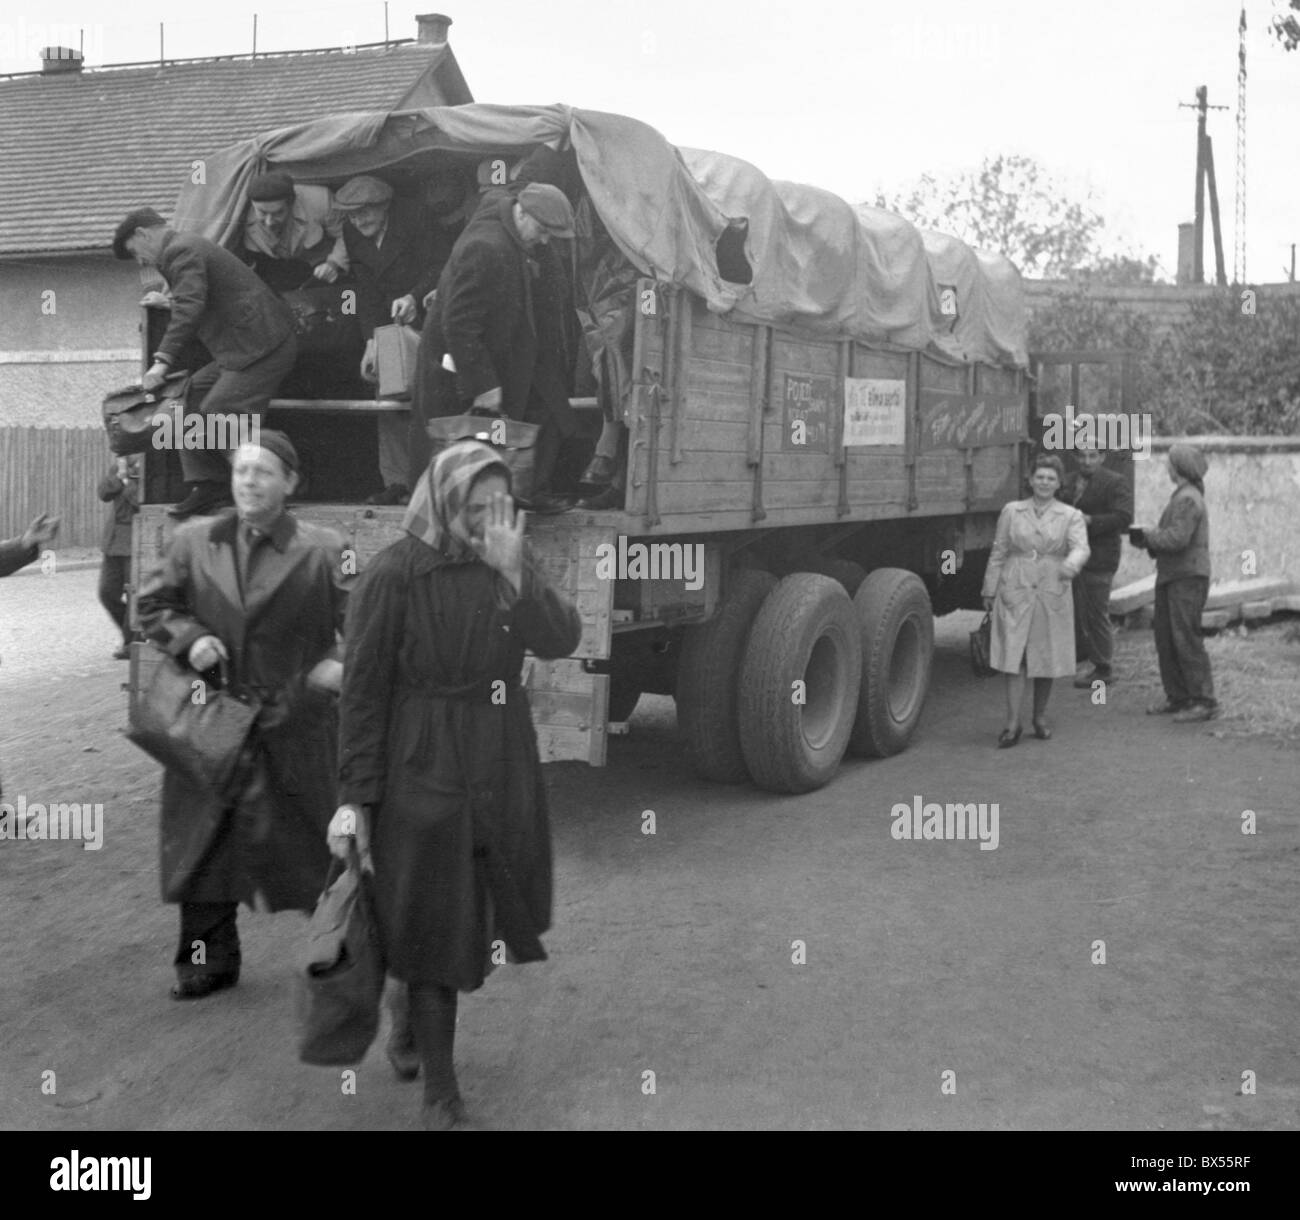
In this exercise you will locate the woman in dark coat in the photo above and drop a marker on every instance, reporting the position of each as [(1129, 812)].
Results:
[(1181, 547), (437, 746)]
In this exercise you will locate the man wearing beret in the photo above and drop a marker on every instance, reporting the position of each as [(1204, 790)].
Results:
[(292, 232), (247, 330), (496, 333), (265, 594), (395, 264)]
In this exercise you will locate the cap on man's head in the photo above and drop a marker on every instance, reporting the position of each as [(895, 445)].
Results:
[(141, 218), (549, 207), (271, 186), (279, 444), (362, 192)]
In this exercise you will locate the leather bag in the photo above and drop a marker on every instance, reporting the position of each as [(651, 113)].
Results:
[(319, 321), (129, 413), (981, 641), (191, 727), (340, 974), (515, 441)]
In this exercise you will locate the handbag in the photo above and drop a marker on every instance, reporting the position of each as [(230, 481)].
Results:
[(981, 640), (396, 348), (515, 441), (129, 413), (341, 972), (202, 738)]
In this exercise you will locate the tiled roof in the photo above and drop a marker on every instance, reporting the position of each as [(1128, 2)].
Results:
[(81, 149)]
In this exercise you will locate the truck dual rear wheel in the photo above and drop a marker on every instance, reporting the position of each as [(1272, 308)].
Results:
[(799, 684), (893, 609), (849, 574), (708, 675)]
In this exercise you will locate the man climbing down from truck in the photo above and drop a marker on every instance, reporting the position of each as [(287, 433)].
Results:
[(497, 338), (247, 330)]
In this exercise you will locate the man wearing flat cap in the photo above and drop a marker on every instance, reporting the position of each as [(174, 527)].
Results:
[(394, 261), (292, 232), (248, 332), (262, 594), (497, 334)]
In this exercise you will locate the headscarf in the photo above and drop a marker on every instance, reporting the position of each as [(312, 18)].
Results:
[(1189, 465), (435, 514)]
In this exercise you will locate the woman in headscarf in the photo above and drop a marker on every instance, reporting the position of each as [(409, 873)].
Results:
[(1181, 547), (439, 767), (1040, 546)]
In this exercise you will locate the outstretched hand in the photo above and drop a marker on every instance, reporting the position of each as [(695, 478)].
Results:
[(502, 544)]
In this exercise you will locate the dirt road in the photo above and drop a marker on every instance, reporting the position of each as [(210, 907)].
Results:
[(775, 962)]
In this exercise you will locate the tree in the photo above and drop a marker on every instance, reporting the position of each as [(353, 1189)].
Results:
[(1009, 205)]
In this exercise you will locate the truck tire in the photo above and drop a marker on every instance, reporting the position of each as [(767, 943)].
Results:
[(806, 631), (708, 676), (623, 698), (849, 574), (893, 609)]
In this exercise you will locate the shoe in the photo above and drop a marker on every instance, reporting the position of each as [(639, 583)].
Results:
[(1041, 730), (393, 494), (122, 653), (1007, 739), (1164, 707), (442, 1115), (403, 1056), (545, 504), (611, 497), (1197, 711), (599, 472), (204, 499), (1085, 681), (197, 986)]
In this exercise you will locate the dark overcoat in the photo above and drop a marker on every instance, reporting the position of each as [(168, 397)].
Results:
[(503, 315), (407, 262), (448, 765), (219, 300), (1107, 499), (270, 836)]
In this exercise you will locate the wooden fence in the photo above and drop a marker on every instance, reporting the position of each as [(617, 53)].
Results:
[(55, 470)]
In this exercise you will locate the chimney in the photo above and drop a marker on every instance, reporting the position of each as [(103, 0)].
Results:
[(433, 28), (1186, 253), (58, 60)]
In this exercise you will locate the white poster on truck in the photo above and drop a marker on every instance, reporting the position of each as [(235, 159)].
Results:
[(875, 411)]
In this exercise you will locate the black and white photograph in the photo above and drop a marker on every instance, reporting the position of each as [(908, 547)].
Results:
[(682, 567)]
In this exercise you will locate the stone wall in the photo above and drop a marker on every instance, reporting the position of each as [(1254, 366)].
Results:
[(1252, 491)]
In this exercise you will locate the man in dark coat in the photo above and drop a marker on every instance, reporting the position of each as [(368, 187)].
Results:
[(1105, 499), (437, 745), (499, 331), (120, 486), (265, 593), (394, 257), (247, 329)]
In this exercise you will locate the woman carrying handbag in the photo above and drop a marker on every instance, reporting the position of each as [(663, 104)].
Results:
[(1041, 545)]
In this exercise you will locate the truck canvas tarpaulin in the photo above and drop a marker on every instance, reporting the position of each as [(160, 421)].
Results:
[(815, 264)]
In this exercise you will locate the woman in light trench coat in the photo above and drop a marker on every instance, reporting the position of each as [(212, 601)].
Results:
[(1040, 547)]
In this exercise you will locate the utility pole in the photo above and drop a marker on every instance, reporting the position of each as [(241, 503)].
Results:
[(1204, 170), (1239, 236)]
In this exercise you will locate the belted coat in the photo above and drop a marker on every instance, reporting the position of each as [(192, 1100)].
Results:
[(270, 835), (446, 761), (1033, 561)]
